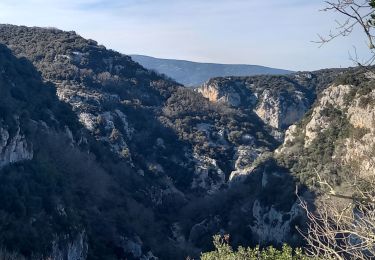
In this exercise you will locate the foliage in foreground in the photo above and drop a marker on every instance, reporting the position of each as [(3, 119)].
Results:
[(223, 251)]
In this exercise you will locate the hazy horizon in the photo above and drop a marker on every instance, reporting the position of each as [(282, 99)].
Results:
[(269, 33), (202, 62)]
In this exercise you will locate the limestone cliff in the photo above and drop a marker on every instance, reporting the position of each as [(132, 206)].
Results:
[(14, 148), (337, 137), (278, 111), (215, 93), (332, 97), (278, 100)]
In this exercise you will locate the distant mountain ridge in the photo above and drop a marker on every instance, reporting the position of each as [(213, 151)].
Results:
[(195, 73)]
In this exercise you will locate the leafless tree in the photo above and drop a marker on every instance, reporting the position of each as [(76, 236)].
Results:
[(343, 224), (357, 14)]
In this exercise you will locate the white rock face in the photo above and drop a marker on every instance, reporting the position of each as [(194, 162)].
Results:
[(14, 147), (81, 98), (240, 175), (245, 155), (274, 110), (332, 96), (362, 117), (280, 113), (88, 104), (215, 137), (74, 250), (244, 158), (290, 136), (360, 149), (215, 93), (128, 130), (88, 120), (269, 109), (272, 225), (115, 135), (356, 151), (208, 175)]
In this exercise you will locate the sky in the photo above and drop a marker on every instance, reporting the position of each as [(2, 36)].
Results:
[(275, 33)]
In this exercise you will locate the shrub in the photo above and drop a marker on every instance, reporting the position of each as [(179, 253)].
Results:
[(223, 251)]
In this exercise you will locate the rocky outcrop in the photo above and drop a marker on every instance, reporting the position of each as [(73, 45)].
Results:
[(208, 175), (274, 226), (14, 147), (219, 94), (280, 112), (352, 142), (111, 127), (332, 97), (100, 85), (63, 249), (279, 101), (361, 143), (245, 156), (290, 136)]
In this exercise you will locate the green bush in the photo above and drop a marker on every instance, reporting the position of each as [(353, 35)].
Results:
[(223, 251)]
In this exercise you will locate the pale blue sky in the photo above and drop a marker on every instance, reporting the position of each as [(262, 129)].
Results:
[(275, 33)]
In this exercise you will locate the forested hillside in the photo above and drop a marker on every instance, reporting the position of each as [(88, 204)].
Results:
[(109, 160)]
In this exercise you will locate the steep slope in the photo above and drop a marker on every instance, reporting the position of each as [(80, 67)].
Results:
[(31, 202), (153, 166), (332, 147), (63, 193), (180, 147), (105, 89), (195, 73), (278, 100), (142, 117), (335, 139)]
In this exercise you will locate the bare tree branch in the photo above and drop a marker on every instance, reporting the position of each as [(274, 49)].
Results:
[(357, 14), (343, 225)]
